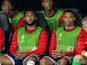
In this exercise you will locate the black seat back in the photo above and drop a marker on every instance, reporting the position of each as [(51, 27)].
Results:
[(41, 21), (5, 25)]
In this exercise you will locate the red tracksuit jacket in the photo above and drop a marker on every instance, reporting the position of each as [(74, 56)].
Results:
[(42, 42), (1, 39), (81, 42)]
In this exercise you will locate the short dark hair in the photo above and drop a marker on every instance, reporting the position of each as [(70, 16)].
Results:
[(30, 10), (70, 12), (10, 1), (50, 0)]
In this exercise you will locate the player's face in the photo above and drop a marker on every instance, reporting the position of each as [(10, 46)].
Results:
[(69, 18), (47, 4)]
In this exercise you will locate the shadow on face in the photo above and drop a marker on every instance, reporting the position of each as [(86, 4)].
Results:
[(6, 6), (47, 4), (69, 18), (30, 17)]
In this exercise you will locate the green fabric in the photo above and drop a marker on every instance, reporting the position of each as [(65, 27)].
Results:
[(75, 63), (16, 19), (66, 41), (0, 53), (53, 21), (1, 11), (28, 42)]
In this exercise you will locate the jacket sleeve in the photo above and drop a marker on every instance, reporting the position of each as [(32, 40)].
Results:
[(42, 43), (21, 22), (13, 27), (61, 20), (1, 39), (79, 46), (80, 43), (14, 45), (70, 53), (53, 46), (52, 43)]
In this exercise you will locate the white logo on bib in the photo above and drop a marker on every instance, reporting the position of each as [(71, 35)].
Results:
[(70, 48), (34, 48), (60, 36), (22, 39)]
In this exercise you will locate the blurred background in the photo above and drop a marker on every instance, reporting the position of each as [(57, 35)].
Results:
[(36, 4)]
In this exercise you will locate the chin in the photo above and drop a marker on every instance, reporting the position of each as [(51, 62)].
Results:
[(68, 24), (49, 9)]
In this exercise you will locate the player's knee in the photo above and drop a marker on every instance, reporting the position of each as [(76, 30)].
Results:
[(43, 60), (1, 59), (64, 61), (32, 58), (5, 61)]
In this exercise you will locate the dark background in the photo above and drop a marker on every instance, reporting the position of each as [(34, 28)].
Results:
[(36, 4)]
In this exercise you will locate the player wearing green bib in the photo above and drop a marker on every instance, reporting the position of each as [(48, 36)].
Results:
[(28, 42), (52, 15), (63, 42), (81, 46), (54, 20), (14, 15)]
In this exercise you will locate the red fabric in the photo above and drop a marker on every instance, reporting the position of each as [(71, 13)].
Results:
[(61, 18), (73, 53), (81, 42), (42, 42), (16, 12), (13, 27), (53, 46), (52, 43), (1, 39), (21, 22), (69, 30)]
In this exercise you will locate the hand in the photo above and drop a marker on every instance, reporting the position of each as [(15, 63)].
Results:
[(54, 54), (20, 55), (83, 52), (17, 55), (59, 54)]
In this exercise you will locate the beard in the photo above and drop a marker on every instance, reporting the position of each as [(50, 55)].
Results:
[(30, 24)]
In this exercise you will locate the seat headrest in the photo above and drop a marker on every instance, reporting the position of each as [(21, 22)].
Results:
[(4, 22)]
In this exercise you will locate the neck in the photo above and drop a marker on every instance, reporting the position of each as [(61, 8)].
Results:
[(33, 27), (69, 27), (49, 13)]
